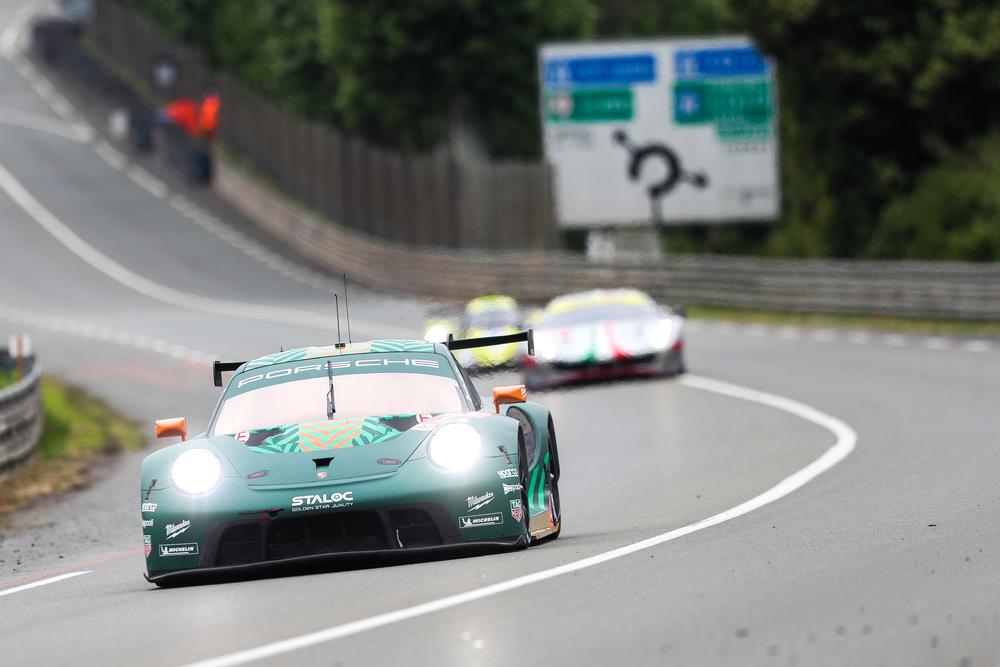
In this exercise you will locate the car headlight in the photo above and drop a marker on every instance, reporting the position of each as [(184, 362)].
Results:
[(196, 471), (546, 347), (454, 446), (436, 334), (661, 334)]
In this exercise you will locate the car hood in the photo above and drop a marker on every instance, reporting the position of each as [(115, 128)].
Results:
[(325, 451)]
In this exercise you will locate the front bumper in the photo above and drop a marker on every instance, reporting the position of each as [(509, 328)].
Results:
[(322, 562), (416, 510), (544, 375)]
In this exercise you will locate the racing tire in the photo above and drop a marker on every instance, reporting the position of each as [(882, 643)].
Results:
[(555, 508), (523, 478)]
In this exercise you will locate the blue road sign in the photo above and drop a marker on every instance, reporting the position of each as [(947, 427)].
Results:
[(601, 71), (717, 63)]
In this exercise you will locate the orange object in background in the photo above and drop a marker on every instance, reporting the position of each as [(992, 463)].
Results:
[(183, 112), (208, 116)]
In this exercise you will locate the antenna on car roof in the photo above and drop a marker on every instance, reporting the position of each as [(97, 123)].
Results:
[(347, 310), (340, 342)]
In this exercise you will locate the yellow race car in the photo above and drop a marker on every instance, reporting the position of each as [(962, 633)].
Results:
[(484, 316)]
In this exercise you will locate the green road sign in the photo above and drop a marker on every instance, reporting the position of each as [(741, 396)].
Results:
[(739, 110), (589, 105)]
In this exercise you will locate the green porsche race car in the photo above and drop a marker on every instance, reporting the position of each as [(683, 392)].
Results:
[(351, 451)]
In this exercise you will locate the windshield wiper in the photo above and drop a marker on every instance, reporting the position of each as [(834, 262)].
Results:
[(330, 408)]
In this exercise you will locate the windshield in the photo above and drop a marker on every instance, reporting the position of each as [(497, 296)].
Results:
[(608, 311), (356, 395), (384, 384), (493, 319)]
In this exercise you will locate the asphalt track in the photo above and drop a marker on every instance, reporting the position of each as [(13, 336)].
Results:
[(888, 557)]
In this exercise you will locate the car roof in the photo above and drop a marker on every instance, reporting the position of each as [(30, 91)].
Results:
[(377, 346), (489, 303), (597, 297)]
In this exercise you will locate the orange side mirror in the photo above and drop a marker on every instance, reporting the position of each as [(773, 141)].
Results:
[(167, 428), (515, 393)]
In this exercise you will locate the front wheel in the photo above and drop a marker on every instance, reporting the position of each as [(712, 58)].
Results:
[(555, 509)]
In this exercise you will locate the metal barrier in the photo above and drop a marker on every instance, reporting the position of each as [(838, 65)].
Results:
[(21, 417), (887, 288)]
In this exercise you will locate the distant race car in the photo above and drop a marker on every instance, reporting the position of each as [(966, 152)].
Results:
[(354, 451), (489, 315), (604, 334)]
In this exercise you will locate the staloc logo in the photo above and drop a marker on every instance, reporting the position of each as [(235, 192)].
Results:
[(321, 500)]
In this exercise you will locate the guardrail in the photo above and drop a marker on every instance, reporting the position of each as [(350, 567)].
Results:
[(20, 416), (887, 288)]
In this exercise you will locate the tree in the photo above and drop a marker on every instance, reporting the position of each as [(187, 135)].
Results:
[(404, 66), (871, 91)]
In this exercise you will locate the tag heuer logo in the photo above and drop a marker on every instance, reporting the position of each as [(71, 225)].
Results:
[(475, 520)]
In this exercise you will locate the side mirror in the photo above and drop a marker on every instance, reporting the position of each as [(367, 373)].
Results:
[(515, 393), (681, 311), (168, 428)]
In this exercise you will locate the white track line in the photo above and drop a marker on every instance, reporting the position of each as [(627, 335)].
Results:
[(936, 343), (110, 154), (40, 123), (846, 440), (106, 334), (42, 582), (147, 182), (149, 288), (976, 346)]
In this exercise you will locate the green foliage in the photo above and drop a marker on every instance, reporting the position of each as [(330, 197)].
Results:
[(76, 422), (406, 67), (655, 18), (953, 213), (870, 91)]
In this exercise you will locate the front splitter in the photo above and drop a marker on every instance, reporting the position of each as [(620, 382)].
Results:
[(350, 560)]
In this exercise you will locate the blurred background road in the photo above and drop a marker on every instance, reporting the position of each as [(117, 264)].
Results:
[(888, 558)]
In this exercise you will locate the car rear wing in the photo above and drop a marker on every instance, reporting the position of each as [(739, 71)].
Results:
[(220, 367), (486, 341)]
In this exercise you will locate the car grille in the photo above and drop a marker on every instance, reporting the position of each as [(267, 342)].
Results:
[(617, 363), (325, 533), (341, 532)]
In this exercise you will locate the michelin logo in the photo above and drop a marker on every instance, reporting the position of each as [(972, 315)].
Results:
[(476, 520)]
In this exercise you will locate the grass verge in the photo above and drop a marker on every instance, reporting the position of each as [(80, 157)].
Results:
[(81, 431), (868, 322)]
